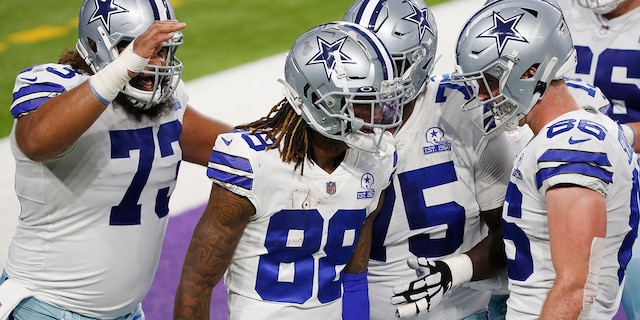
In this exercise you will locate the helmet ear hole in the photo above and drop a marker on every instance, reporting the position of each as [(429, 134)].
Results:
[(92, 45)]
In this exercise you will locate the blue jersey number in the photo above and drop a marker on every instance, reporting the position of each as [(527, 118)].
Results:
[(627, 89), (299, 256), (128, 212), (450, 216), (521, 266)]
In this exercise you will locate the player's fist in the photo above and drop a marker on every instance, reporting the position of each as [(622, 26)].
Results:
[(421, 295)]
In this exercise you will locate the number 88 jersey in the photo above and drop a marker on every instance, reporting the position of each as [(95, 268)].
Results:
[(289, 261)]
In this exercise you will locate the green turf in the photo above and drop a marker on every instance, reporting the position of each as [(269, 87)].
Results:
[(220, 34)]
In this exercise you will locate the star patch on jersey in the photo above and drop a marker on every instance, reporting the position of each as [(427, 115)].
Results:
[(436, 142), (366, 182), (419, 17), (104, 10), (503, 31), (327, 55)]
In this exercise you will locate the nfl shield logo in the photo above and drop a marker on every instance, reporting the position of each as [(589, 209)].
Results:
[(331, 187)]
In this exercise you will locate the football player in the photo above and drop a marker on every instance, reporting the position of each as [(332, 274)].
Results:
[(571, 210), (98, 139), (294, 193), (450, 182), (605, 34)]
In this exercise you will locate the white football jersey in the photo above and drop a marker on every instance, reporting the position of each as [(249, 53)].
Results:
[(601, 160), (448, 172), (289, 262), (93, 219), (608, 56), (586, 95)]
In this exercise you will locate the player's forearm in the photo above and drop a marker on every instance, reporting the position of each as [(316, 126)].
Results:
[(203, 268), (199, 133), (189, 304), (359, 260), (565, 301), (488, 256)]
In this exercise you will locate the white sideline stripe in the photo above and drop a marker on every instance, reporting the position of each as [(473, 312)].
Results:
[(236, 95)]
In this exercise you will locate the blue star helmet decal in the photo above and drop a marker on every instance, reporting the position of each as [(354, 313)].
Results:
[(104, 10), (326, 55), (503, 31), (419, 17)]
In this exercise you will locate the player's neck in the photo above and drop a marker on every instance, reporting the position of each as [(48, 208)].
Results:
[(556, 102), (327, 153), (622, 9)]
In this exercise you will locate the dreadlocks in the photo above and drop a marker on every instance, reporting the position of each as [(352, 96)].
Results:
[(284, 124)]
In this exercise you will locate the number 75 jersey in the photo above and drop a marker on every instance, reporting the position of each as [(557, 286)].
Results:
[(448, 172), (289, 261)]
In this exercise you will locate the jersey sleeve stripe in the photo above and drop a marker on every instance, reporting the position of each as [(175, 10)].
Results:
[(32, 97), (231, 169), (38, 88), (231, 161), (561, 155), (586, 169), (22, 107), (231, 178)]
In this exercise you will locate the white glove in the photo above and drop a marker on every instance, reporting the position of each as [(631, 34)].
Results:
[(435, 279)]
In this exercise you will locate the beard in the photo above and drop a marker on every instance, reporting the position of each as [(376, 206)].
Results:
[(154, 113)]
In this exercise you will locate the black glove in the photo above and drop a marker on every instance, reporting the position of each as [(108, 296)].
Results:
[(421, 295)]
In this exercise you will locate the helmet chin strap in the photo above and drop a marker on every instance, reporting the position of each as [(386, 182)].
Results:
[(541, 89)]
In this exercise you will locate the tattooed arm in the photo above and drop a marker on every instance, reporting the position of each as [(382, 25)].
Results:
[(213, 243)]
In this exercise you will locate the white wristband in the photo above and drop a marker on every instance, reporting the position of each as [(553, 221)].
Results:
[(461, 269), (629, 133), (107, 83)]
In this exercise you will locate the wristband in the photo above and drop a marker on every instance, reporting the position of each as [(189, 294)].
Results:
[(107, 83), (355, 296), (461, 269), (629, 133)]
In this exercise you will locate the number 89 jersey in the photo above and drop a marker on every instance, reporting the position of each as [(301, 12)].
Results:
[(289, 261), (579, 148)]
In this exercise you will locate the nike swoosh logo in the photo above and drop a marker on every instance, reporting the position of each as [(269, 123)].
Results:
[(227, 142), (571, 141), (481, 51), (30, 79)]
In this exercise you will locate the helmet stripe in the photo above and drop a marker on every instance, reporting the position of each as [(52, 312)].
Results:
[(369, 10), (161, 10), (388, 64)]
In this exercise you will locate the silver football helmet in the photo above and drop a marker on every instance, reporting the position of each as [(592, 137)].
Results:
[(341, 79), (499, 44), (408, 30), (600, 6), (104, 27)]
